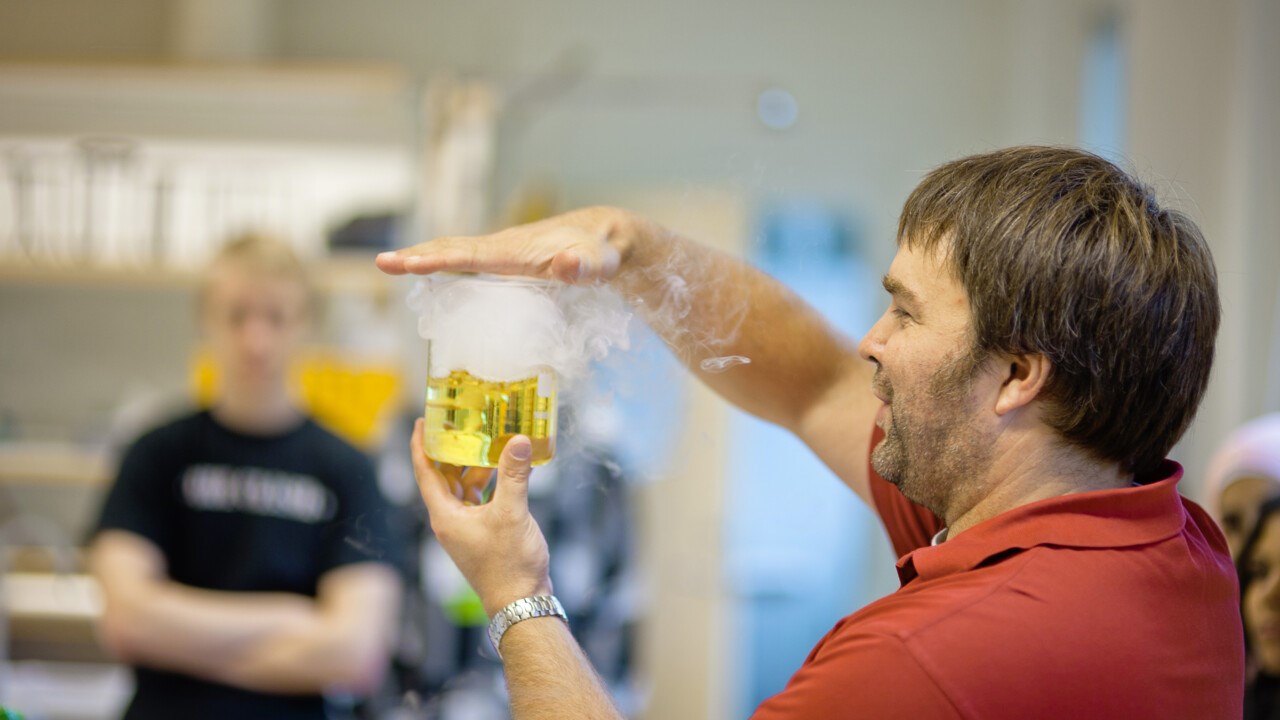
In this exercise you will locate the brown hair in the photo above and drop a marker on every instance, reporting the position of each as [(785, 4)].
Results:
[(1064, 254)]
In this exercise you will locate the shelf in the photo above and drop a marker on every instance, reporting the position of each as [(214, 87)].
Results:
[(30, 463), (53, 617), (12, 273), (54, 596), (350, 274), (333, 275), (298, 102)]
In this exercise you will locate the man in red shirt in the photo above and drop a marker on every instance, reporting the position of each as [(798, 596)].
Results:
[(1048, 340)]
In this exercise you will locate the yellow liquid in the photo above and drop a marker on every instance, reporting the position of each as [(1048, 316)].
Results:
[(469, 420)]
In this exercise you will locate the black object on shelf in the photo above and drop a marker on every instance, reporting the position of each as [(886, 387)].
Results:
[(372, 232)]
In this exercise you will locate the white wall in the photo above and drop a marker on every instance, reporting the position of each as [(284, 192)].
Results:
[(1204, 109), (665, 91)]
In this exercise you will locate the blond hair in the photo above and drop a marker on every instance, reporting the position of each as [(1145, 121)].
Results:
[(261, 253)]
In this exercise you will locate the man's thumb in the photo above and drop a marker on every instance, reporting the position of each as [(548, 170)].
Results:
[(513, 471)]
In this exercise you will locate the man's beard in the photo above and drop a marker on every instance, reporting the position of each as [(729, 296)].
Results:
[(931, 448)]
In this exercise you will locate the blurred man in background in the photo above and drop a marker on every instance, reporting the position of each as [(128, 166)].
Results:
[(1049, 337), (243, 551)]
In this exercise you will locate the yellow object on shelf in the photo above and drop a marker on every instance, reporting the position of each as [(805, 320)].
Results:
[(351, 397)]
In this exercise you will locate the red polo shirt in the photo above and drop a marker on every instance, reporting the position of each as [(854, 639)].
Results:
[(1110, 604)]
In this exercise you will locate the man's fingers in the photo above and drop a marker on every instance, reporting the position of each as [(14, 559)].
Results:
[(431, 484), (566, 266), (390, 263), (569, 255), (486, 253), (514, 467)]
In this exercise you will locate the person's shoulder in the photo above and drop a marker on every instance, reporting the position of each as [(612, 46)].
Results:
[(1051, 591), (946, 602), (1203, 532), (983, 634), (323, 437), (890, 677), (329, 447), (179, 429), (1026, 594)]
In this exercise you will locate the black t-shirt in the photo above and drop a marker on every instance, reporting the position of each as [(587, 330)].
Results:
[(243, 512)]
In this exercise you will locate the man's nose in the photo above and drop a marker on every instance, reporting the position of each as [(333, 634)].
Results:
[(256, 333), (871, 346)]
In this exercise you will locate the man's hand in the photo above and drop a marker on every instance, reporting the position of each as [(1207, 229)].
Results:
[(578, 247), (497, 545), (500, 550)]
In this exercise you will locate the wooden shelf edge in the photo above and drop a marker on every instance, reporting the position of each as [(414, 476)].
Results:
[(336, 274), (21, 464), (22, 273)]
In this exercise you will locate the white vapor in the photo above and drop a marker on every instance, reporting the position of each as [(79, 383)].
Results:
[(509, 328)]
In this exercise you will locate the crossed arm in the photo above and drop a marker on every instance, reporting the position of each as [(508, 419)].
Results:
[(268, 642)]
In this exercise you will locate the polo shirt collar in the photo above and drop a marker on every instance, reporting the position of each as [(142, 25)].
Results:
[(1123, 517)]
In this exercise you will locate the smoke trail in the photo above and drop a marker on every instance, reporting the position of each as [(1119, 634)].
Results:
[(720, 364), (684, 280)]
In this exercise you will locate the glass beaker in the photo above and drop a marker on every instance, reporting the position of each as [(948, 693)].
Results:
[(490, 349)]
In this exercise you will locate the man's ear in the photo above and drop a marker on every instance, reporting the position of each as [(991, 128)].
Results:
[(1026, 377)]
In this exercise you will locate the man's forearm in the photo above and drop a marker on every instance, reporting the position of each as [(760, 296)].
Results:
[(303, 660), (548, 675), (705, 304), (200, 632), (269, 642), (346, 646)]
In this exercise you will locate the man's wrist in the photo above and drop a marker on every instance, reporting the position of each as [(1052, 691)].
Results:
[(529, 608), (493, 602), (628, 231), (640, 245)]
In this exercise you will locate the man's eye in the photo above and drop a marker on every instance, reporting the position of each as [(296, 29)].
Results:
[(901, 314), (1258, 570)]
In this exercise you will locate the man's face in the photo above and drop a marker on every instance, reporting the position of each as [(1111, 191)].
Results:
[(254, 322), (935, 445)]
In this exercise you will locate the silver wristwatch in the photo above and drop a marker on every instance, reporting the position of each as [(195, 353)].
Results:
[(523, 609)]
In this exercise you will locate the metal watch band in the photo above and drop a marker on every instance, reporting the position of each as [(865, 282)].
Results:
[(523, 609)]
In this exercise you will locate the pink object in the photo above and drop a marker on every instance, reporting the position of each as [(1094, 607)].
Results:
[(1252, 449)]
